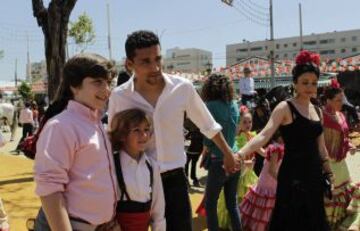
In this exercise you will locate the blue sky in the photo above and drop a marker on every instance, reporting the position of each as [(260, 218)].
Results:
[(205, 24)]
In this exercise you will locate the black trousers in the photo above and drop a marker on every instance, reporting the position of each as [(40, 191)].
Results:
[(245, 99), (191, 159), (177, 201), (27, 131)]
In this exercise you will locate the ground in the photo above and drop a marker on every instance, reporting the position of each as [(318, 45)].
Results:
[(21, 203)]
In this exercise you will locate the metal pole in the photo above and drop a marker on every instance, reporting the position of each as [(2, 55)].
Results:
[(16, 72), (272, 58), (301, 32), (109, 36), (28, 66)]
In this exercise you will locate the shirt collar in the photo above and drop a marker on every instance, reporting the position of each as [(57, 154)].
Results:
[(130, 85), (127, 159), (84, 111)]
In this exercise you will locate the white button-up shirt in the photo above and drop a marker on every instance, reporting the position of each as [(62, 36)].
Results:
[(246, 86), (137, 181), (178, 96)]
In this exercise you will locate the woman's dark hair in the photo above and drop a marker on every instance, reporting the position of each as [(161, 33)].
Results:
[(331, 92), (306, 61), (123, 122), (138, 40), (76, 69), (217, 87)]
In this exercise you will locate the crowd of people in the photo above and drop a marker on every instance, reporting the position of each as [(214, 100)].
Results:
[(131, 176)]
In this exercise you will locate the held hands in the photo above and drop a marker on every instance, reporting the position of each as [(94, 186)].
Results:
[(231, 164)]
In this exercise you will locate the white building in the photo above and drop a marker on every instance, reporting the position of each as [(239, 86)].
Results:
[(329, 45), (190, 60), (38, 71)]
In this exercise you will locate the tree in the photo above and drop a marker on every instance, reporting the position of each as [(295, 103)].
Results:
[(54, 24), (1, 54), (24, 90), (82, 31)]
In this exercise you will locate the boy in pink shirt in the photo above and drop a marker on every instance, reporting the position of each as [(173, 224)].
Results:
[(74, 169)]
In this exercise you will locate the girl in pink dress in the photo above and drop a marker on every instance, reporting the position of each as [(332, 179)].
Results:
[(258, 203)]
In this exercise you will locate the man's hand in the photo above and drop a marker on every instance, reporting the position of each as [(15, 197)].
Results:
[(231, 164)]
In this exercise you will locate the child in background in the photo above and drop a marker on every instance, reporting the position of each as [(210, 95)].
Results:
[(194, 150), (142, 200), (248, 177), (257, 205)]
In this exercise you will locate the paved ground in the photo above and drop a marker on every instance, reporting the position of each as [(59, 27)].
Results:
[(17, 187)]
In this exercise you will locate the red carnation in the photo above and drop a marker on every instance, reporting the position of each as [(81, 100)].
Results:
[(305, 57), (244, 109)]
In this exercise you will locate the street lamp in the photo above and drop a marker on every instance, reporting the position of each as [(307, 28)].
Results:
[(208, 66)]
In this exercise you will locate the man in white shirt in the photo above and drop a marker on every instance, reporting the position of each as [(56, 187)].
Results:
[(27, 122), (246, 87), (165, 99)]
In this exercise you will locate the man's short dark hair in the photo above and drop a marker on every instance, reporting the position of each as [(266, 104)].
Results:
[(123, 77), (138, 40)]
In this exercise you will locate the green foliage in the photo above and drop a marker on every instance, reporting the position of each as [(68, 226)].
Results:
[(82, 31), (24, 90), (1, 54)]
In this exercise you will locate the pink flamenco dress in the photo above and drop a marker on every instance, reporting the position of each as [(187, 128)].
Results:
[(257, 205), (343, 210)]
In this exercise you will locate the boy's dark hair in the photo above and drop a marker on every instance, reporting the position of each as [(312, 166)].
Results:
[(76, 69), (217, 87), (27, 104), (138, 40)]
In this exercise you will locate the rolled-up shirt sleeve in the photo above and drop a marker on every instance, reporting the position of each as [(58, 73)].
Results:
[(55, 151), (158, 222), (199, 114)]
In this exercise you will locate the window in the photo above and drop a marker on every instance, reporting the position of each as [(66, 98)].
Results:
[(324, 41), (343, 40), (277, 46), (285, 45), (266, 47), (256, 48), (354, 49), (343, 50), (294, 44), (310, 43), (331, 40), (285, 55), (183, 63), (327, 52), (353, 38), (242, 50), (277, 56), (183, 56)]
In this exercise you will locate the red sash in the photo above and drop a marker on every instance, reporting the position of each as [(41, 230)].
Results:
[(134, 221)]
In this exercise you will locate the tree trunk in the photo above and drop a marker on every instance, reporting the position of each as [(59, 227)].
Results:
[(54, 24)]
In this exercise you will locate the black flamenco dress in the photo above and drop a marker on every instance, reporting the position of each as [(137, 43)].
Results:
[(300, 192)]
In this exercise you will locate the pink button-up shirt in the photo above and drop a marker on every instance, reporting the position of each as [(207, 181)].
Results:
[(74, 157)]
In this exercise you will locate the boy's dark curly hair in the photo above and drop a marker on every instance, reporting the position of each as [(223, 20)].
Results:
[(217, 87), (138, 40)]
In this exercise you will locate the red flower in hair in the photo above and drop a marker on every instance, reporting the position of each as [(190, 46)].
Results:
[(305, 57), (243, 109)]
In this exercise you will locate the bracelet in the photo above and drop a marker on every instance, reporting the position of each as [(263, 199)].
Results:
[(323, 161), (330, 174)]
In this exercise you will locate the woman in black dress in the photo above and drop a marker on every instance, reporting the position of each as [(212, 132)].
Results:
[(300, 191)]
